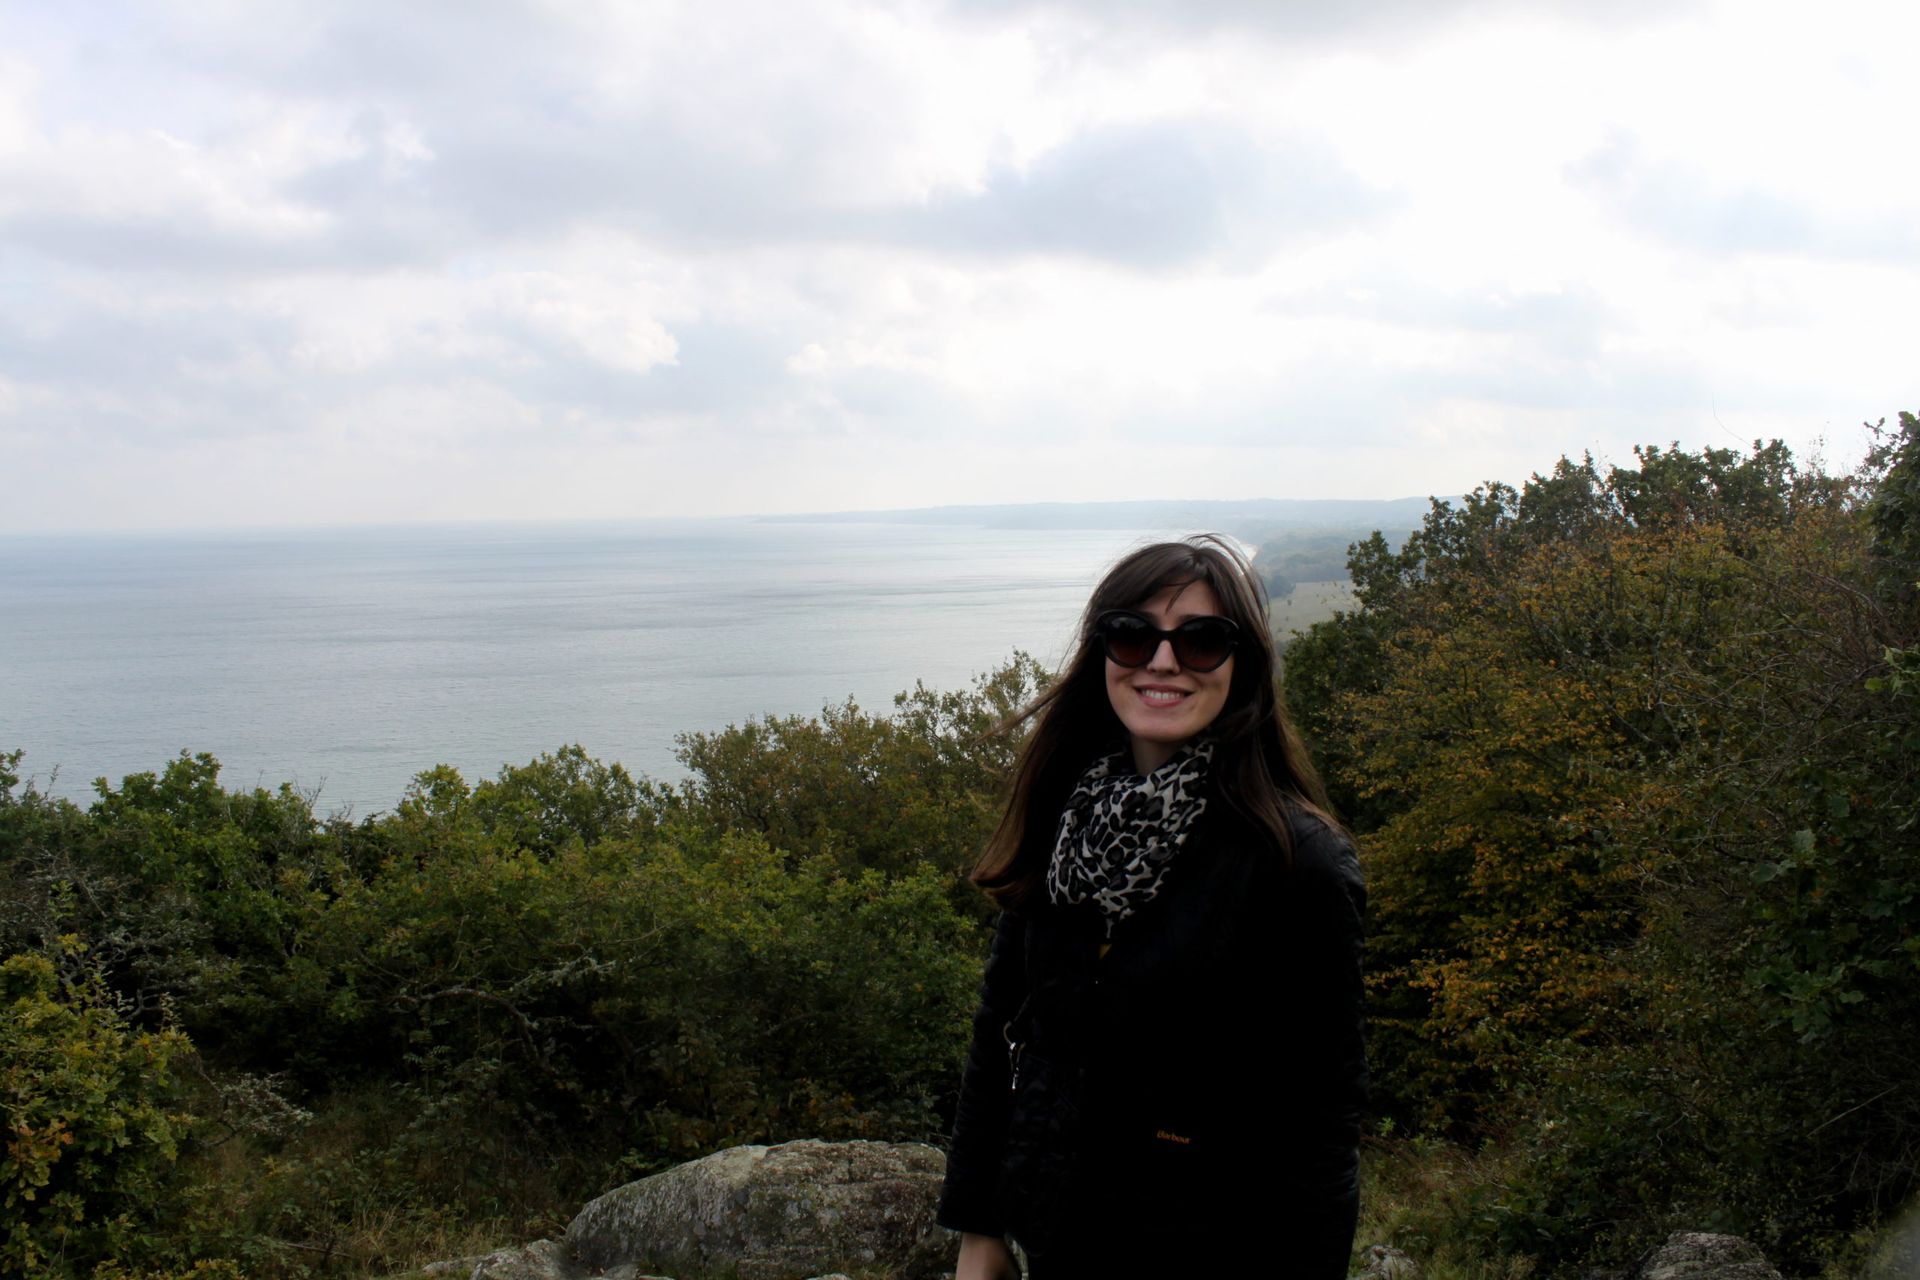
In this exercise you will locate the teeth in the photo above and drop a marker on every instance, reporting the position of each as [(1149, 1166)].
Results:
[(1161, 695)]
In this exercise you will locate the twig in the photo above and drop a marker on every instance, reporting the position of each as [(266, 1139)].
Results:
[(1850, 1110)]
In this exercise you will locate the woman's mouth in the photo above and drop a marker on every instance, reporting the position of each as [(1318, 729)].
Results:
[(1161, 697)]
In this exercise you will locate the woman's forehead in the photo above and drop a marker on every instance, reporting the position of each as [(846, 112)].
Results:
[(1185, 597)]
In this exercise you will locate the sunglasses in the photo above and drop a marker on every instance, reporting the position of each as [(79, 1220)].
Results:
[(1200, 644)]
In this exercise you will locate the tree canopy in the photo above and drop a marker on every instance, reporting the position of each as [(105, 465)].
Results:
[(1633, 752)]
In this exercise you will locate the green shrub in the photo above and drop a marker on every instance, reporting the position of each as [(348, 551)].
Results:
[(92, 1133)]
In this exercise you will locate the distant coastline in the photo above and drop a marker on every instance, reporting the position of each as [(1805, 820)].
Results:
[(1249, 517)]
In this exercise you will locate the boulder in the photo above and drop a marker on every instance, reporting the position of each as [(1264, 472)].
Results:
[(541, 1260), (1699, 1255), (1897, 1256), (1383, 1262), (786, 1212)]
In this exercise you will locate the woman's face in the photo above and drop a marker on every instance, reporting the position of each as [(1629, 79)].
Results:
[(1163, 704)]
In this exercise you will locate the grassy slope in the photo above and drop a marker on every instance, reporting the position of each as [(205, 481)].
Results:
[(1310, 602)]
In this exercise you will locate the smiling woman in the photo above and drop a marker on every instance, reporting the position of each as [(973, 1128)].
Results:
[(1167, 1071), (1168, 668)]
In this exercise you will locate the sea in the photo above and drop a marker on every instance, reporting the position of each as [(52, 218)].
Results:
[(345, 661)]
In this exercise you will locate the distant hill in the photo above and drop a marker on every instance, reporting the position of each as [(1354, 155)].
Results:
[(1250, 518), (1298, 539)]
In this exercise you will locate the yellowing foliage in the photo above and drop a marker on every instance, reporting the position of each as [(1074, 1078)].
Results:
[(1634, 759), (90, 1131)]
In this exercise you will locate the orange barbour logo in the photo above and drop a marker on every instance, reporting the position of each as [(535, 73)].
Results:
[(1166, 1136)]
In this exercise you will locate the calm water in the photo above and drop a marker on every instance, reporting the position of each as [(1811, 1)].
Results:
[(350, 660)]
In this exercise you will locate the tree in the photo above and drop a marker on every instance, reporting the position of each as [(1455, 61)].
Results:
[(1634, 754), (918, 788)]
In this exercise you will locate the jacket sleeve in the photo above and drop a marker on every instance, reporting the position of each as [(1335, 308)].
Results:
[(969, 1201), (1321, 923)]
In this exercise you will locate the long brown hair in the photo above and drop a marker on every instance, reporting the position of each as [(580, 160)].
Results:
[(1261, 766)]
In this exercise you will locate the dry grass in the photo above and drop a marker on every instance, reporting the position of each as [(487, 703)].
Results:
[(347, 1195), (1417, 1196)]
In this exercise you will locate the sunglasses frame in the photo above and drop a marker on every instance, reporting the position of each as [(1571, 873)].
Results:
[(1177, 637)]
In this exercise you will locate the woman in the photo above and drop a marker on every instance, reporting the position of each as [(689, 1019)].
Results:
[(1167, 1072)]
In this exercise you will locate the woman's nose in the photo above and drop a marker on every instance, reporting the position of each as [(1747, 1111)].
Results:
[(1163, 659)]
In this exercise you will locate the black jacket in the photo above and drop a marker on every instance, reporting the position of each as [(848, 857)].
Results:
[(1197, 1088)]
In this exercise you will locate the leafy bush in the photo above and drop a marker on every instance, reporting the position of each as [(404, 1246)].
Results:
[(918, 788), (498, 999), (92, 1133)]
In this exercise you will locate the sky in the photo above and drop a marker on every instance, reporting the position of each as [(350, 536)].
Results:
[(333, 262)]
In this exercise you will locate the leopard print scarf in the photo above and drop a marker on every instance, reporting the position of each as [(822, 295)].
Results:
[(1119, 831)]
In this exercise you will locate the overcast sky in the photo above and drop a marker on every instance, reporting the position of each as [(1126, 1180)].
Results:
[(312, 262)]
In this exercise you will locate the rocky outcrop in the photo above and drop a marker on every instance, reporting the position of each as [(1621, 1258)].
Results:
[(1684, 1255), (830, 1210), (790, 1212), (541, 1260), (776, 1213), (1699, 1255)]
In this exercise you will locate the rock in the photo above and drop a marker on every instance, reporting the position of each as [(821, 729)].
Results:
[(1897, 1256), (541, 1260), (797, 1210), (1383, 1262), (1699, 1255)]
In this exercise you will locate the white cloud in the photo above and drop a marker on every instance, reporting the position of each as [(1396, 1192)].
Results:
[(343, 261)]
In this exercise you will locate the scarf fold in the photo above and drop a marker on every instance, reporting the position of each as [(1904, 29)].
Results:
[(1120, 830)]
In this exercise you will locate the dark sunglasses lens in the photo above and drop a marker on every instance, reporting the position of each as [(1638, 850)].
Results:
[(1128, 640), (1203, 644)]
